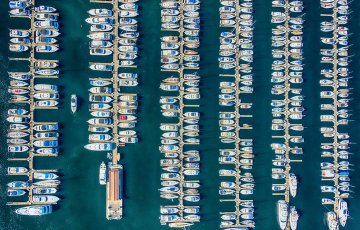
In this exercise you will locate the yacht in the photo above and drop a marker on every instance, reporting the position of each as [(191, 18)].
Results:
[(293, 184), (45, 198), (15, 192), (343, 212), (34, 210), (332, 221), (100, 146), (73, 103), (102, 173), (44, 191), (282, 213), (293, 218)]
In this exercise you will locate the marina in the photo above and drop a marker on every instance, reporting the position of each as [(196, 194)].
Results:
[(236, 49), (113, 32), (28, 138), (334, 117), (274, 83), (287, 111), (180, 164)]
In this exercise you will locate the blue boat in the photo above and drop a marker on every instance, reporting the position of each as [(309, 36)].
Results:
[(18, 5), (15, 192), (46, 143)]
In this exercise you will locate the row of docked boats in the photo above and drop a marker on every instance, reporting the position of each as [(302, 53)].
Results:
[(102, 33), (236, 160), (336, 166), (175, 17), (287, 109), (180, 133), (26, 137), (46, 29), (106, 113)]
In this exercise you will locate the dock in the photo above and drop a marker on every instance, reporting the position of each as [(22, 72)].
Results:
[(284, 154), (241, 166), (335, 147), (32, 106), (182, 70), (114, 200), (114, 192)]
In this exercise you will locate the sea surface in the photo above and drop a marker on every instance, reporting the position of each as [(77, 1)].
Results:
[(83, 199)]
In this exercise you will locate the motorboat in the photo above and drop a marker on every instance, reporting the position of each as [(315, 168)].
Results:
[(15, 192), (45, 175), (44, 191), (45, 199), (293, 218), (100, 146), (102, 173), (73, 103), (343, 212), (293, 184), (282, 213), (34, 210)]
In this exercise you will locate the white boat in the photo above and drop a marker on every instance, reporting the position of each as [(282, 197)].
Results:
[(343, 212), (102, 173), (44, 191), (34, 210), (17, 170), (100, 146), (293, 184), (282, 214), (73, 103), (100, 12), (45, 176), (46, 48), (49, 183), (100, 137), (332, 221), (293, 218), (15, 33), (45, 198)]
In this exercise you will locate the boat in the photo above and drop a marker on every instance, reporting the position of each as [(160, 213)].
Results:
[(343, 212), (332, 221), (73, 103), (18, 48), (46, 143), (44, 9), (15, 192), (282, 213), (45, 199), (49, 183), (17, 170), (45, 176), (44, 191), (100, 12), (34, 210), (100, 146), (102, 173), (293, 218), (15, 33), (293, 184), (18, 184)]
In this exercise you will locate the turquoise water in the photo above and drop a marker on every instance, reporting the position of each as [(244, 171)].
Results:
[(83, 204)]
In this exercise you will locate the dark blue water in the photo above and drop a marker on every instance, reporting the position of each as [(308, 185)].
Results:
[(83, 204)]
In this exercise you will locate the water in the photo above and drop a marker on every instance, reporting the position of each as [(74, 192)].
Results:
[(83, 204)]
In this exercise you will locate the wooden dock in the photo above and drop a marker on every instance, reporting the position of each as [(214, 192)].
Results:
[(288, 101), (32, 107), (240, 128), (334, 141), (180, 123)]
